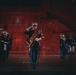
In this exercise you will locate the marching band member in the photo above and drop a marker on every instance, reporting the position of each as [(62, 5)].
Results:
[(71, 47), (62, 42), (5, 41), (33, 39)]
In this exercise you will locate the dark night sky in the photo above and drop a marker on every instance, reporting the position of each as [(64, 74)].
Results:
[(20, 2)]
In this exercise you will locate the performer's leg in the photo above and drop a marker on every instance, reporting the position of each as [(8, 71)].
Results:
[(61, 54), (71, 53), (36, 55), (3, 56), (70, 56), (64, 54), (32, 56), (73, 49), (7, 54)]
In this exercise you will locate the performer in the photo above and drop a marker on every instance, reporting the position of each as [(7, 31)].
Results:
[(1, 30), (62, 42), (9, 46), (33, 39), (71, 47), (4, 46)]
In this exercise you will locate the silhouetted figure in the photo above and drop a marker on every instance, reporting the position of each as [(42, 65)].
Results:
[(5, 46), (33, 39), (71, 47), (62, 42), (9, 45)]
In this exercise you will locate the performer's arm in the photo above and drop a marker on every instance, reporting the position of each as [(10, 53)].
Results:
[(40, 37), (27, 30)]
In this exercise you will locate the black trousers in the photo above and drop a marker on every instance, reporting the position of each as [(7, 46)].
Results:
[(33, 55)]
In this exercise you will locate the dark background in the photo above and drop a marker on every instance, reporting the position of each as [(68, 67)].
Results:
[(20, 2), (34, 2)]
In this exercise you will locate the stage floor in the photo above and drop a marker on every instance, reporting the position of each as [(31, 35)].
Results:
[(47, 64)]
